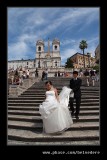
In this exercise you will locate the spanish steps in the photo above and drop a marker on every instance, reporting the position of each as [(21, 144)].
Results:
[(25, 124)]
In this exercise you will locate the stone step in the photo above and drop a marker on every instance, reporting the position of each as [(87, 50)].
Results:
[(43, 96), (67, 136), (23, 104), (36, 113), (39, 91), (59, 87), (26, 98), (54, 81), (34, 126), (37, 105), (43, 93), (63, 143), (32, 94), (34, 97), (29, 96), (59, 90), (37, 108), (62, 84), (84, 96), (91, 118), (41, 100), (25, 112), (67, 82), (38, 102)]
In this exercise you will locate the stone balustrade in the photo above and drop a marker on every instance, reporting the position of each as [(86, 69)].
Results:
[(16, 90)]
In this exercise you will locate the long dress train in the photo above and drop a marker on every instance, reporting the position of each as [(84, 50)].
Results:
[(55, 115)]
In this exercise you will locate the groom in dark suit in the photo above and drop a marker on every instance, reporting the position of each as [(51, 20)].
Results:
[(75, 84)]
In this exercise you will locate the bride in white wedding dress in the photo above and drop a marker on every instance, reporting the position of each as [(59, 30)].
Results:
[(54, 110)]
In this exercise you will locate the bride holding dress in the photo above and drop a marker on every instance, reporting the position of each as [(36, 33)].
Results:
[(54, 110)]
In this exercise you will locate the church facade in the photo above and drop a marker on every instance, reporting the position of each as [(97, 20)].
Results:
[(49, 59)]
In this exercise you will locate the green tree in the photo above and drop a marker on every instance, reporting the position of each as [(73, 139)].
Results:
[(82, 46), (69, 63), (96, 68)]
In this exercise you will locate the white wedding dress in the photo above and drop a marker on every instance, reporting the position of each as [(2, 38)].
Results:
[(55, 115)]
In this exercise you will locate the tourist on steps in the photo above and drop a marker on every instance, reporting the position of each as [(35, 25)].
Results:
[(87, 75)]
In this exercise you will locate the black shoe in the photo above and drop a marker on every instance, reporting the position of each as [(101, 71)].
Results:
[(77, 117)]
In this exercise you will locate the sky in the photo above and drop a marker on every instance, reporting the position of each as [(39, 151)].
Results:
[(70, 25)]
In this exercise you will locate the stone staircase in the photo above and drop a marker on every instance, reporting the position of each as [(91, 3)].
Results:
[(25, 123)]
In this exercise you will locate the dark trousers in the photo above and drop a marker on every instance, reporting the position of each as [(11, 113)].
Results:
[(71, 102)]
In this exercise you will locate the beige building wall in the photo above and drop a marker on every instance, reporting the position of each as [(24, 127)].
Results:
[(97, 53), (14, 64), (79, 63)]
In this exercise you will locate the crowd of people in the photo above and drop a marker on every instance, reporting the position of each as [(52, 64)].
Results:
[(63, 74), (91, 76), (19, 75)]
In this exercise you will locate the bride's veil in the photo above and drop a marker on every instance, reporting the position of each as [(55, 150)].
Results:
[(64, 96), (65, 92)]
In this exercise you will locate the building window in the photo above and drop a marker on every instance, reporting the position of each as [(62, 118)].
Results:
[(56, 63), (39, 48), (27, 63), (55, 47)]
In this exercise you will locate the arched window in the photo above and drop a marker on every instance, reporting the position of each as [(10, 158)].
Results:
[(39, 48), (55, 47), (56, 63)]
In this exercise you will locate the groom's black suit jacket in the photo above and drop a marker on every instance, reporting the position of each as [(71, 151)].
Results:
[(75, 85)]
